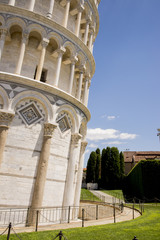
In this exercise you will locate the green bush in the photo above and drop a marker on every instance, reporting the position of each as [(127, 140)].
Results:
[(143, 181)]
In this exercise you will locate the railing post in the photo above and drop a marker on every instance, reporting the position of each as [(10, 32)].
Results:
[(135, 238), (69, 210), (114, 212), (60, 235), (37, 215), (9, 230), (82, 217), (133, 208), (96, 212)]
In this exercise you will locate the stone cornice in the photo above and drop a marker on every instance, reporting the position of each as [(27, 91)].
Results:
[(44, 21), (12, 78)]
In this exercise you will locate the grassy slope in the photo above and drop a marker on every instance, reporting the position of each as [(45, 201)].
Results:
[(87, 195), (145, 227)]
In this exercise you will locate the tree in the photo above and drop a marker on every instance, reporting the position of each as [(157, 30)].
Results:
[(121, 164), (91, 166), (114, 168), (98, 166), (103, 167)]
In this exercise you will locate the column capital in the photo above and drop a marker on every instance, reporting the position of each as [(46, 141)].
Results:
[(75, 139), (58, 52), (25, 36), (3, 31), (82, 69), (48, 129), (6, 118), (80, 8), (89, 83), (88, 19), (87, 77), (61, 50), (44, 42), (91, 30), (83, 146), (74, 59)]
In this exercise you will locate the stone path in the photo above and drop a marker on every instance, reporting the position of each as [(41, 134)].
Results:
[(105, 197), (125, 216)]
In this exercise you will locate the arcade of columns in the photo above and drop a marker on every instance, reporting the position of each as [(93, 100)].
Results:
[(78, 143)]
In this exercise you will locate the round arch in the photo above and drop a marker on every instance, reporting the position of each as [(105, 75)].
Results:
[(72, 113), (36, 96), (56, 37), (16, 21), (2, 22), (5, 98), (71, 47), (37, 28)]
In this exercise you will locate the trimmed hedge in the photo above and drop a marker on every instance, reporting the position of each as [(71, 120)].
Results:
[(143, 180)]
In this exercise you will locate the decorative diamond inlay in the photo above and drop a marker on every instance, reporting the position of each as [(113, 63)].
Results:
[(30, 114), (63, 124)]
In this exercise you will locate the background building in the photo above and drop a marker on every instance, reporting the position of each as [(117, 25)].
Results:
[(46, 66), (131, 158)]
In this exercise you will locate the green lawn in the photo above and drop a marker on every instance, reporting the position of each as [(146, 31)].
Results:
[(87, 195), (146, 227), (115, 193)]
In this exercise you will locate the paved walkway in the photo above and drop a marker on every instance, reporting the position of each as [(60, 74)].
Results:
[(125, 216), (105, 197)]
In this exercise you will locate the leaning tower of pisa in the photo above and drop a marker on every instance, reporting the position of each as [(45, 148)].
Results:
[(46, 66)]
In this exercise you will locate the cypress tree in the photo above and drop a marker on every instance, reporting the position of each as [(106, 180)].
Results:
[(98, 165), (91, 167), (103, 167), (114, 168), (121, 164)]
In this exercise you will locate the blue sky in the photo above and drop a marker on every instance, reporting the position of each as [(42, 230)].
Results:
[(124, 95)]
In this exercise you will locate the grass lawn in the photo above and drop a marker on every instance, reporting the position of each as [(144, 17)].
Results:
[(146, 227), (115, 193), (87, 195)]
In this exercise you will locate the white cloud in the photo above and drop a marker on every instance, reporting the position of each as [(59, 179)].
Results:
[(116, 143), (92, 145), (111, 117), (127, 136), (98, 134)]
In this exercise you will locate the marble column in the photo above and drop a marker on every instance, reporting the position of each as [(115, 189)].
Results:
[(65, 20), (90, 40), (80, 174), (73, 62), (21, 54), (86, 81), (78, 22), (58, 68), (86, 32), (87, 95), (50, 11), (41, 60), (11, 2), (68, 199), (5, 120), (39, 185), (2, 40), (31, 5), (80, 84)]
